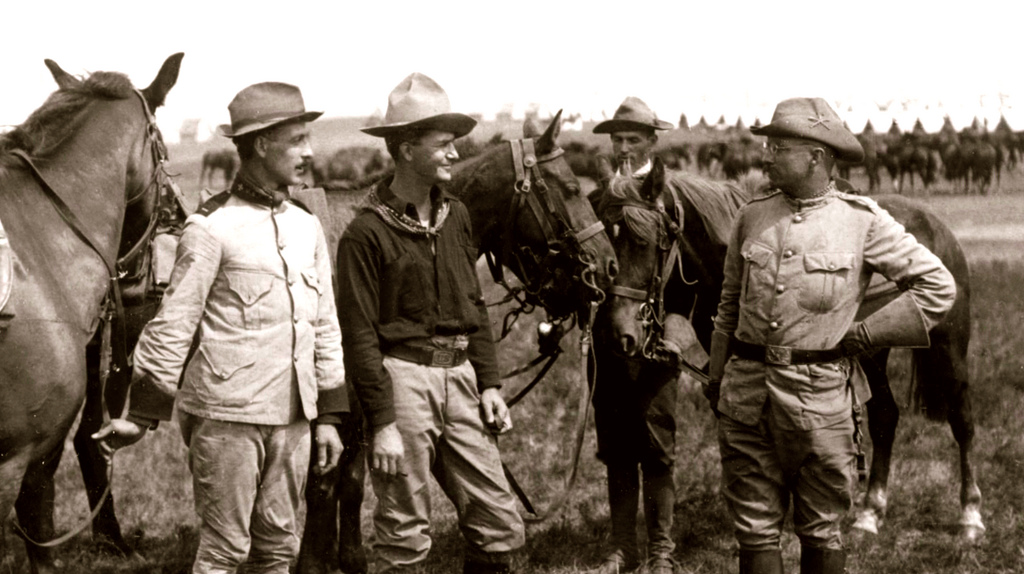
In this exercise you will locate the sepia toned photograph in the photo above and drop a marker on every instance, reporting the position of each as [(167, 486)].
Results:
[(538, 287)]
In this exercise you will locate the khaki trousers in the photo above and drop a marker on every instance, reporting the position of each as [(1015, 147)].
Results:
[(763, 466), (248, 482), (439, 417)]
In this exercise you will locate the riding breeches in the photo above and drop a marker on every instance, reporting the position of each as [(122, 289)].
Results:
[(438, 415), (764, 465), (248, 482)]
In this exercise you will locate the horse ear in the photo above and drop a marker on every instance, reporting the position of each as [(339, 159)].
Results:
[(64, 80), (156, 92), (654, 183), (549, 141), (604, 169), (530, 127)]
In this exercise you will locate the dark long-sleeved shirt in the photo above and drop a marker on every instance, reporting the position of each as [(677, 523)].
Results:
[(398, 287)]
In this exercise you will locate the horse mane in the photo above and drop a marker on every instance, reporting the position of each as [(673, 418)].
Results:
[(715, 201), (56, 120)]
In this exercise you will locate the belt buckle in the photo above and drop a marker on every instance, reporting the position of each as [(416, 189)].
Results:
[(781, 356), (442, 358)]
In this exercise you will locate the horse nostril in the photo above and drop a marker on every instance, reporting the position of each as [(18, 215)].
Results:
[(613, 268), (628, 344)]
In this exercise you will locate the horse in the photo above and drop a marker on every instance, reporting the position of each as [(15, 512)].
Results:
[(80, 181), (528, 214), (222, 160), (943, 365), (350, 168), (636, 390)]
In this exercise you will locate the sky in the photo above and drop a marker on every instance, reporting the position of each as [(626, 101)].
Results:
[(702, 58)]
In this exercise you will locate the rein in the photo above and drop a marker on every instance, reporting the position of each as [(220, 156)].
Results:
[(114, 335), (563, 240)]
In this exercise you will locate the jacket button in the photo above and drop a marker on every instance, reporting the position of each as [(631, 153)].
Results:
[(295, 358), (787, 253), (296, 318), (780, 289), (774, 324), (831, 266), (798, 218)]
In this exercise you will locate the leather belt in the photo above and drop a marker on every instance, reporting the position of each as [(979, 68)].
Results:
[(782, 356), (429, 356)]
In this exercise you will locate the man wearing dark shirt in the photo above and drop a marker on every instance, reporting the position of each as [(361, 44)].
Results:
[(418, 346)]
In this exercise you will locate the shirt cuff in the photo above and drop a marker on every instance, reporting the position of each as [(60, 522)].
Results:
[(150, 424)]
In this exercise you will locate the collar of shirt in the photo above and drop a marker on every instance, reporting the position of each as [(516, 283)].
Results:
[(248, 190), (640, 173), (388, 198), (821, 198)]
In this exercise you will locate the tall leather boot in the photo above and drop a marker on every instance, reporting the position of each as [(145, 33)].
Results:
[(822, 560), (624, 500), (761, 561), (659, 508)]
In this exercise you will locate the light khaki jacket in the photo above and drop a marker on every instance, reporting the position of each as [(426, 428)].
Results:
[(256, 283), (795, 274)]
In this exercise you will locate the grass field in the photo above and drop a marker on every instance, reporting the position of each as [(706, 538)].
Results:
[(153, 485)]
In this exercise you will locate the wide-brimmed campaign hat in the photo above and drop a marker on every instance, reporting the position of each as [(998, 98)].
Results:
[(633, 114), (813, 119), (418, 102), (263, 105)]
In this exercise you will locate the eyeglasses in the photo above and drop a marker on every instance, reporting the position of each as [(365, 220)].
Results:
[(774, 148)]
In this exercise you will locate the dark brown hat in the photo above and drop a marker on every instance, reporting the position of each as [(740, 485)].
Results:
[(813, 119), (633, 114), (419, 102), (263, 105)]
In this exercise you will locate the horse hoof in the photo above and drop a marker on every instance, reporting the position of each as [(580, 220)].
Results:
[(867, 521), (972, 534), (973, 527)]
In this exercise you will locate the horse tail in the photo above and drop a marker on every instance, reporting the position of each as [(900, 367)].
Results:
[(939, 377)]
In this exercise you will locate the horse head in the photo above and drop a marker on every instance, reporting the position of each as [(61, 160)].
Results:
[(528, 213), (639, 226)]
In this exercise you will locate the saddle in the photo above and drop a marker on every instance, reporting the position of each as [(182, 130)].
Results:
[(6, 278)]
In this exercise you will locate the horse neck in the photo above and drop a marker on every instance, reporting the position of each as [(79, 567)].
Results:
[(90, 170), (485, 185)]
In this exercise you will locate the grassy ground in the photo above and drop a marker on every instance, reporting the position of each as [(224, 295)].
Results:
[(153, 486)]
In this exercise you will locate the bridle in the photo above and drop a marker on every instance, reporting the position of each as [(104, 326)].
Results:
[(565, 240), (133, 265), (651, 313)]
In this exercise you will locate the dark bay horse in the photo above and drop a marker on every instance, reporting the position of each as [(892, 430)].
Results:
[(941, 370), (561, 255), (95, 144)]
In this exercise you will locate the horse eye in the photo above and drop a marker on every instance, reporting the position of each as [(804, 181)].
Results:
[(615, 230)]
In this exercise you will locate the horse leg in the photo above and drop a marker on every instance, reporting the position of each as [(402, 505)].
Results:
[(35, 509), (12, 472), (883, 416), (944, 365), (105, 527), (351, 556)]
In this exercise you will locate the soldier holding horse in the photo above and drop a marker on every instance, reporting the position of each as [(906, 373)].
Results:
[(251, 284), (781, 378)]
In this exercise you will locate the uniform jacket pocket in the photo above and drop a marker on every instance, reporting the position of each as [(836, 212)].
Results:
[(825, 280), (227, 363), (756, 275), (249, 287)]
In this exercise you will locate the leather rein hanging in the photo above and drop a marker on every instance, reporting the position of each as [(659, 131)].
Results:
[(532, 191), (113, 324)]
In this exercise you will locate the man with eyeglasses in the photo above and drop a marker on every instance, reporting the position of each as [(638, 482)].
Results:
[(783, 377), (252, 282), (418, 345)]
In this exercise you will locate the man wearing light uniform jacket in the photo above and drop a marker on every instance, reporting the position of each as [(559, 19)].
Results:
[(252, 279), (782, 374)]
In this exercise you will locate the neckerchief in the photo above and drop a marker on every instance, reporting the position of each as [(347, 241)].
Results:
[(246, 189), (403, 222)]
